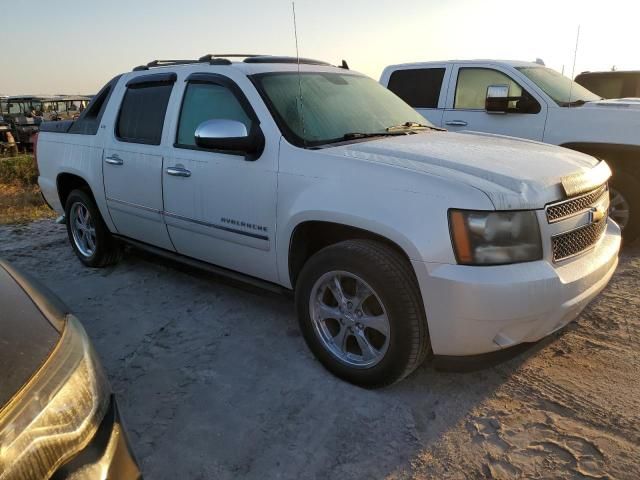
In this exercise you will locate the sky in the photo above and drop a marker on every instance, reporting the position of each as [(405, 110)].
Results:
[(76, 46)]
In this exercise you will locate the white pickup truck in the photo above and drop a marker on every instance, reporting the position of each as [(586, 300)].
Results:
[(528, 100), (397, 238)]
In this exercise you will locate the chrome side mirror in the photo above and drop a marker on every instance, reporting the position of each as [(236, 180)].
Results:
[(497, 99), (227, 135)]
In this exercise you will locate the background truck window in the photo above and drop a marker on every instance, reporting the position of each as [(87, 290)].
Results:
[(471, 89), (207, 101), (419, 87)]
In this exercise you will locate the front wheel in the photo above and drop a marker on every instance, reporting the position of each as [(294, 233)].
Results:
[(624, 207), (92, 242), (361, 312)]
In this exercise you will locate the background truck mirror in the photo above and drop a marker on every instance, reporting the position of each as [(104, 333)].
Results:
[(497, 99)]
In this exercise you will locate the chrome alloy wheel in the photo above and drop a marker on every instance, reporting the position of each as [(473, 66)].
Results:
[(83, 229), (619, 208), (350, 319)]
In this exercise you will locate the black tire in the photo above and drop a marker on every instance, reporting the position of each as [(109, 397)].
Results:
[(107, 249), (392, 278), (629, 187)]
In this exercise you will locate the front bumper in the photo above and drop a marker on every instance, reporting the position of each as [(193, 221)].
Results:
[(476, 310), (108, 456)]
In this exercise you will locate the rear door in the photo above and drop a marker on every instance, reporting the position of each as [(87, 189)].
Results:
[(424, 88), (132, 160), (466, 104)]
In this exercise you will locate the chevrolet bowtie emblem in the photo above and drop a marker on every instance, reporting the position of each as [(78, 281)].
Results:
[(598, 213)]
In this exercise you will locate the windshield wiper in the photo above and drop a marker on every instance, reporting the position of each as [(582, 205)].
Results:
[(359, 135), (412, 126), (354, 135)]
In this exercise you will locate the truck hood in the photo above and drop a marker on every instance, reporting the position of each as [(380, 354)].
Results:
[(626, 103), (513, 173), (609, 122), (27, 336)]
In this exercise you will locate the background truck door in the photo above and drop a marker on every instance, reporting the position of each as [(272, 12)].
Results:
[(466, 104), (132, 160), (424, 88), (219, 206)]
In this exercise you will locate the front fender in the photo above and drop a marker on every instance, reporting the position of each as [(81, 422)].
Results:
[(416, 222)]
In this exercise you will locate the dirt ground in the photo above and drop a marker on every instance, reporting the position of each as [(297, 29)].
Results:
[(215, 381)]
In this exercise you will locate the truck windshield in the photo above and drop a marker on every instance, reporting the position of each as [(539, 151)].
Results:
[(564, 91), (334, 107)]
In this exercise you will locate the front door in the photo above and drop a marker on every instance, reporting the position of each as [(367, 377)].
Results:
[(220, 207), (132, 162), (466, 105)]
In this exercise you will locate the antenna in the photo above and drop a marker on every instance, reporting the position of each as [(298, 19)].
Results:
[(573, 70), (300, 109)]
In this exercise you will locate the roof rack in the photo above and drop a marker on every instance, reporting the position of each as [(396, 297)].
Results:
[(276, 59), (223, 59), (163, 63), (233, 55)]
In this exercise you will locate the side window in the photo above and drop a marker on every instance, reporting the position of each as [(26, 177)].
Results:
[(207, 101), (419, 87), (471, 89), (142, 112)]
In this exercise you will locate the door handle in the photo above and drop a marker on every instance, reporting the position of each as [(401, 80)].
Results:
[(178, 172), (114, 160), (456, 123)]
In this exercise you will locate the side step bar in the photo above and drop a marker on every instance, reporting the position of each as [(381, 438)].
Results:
[(191, 262)]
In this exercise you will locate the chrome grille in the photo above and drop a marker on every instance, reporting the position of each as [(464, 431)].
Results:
[(571, 243), (573, 206)]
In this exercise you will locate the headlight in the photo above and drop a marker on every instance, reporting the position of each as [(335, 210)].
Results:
[(57, 413), (495, 238)]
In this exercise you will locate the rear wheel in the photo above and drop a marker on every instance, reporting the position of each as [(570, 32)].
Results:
[(361, 312), (624, 207), (92, 242)]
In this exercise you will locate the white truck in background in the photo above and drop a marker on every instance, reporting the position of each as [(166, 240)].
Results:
[(397, 238), (528, 100)]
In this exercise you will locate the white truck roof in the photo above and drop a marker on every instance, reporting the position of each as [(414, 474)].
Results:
[(513, 63)]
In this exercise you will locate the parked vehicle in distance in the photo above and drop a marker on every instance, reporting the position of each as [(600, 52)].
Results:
[(58, 417), (397, 238), (3, 106), (63, 107), (612, 84), (531, 101), (23, 113), (8, 145)]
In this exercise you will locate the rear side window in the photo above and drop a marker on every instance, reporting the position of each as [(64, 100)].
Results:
[(142, 112), (419, 87), (207, 101)]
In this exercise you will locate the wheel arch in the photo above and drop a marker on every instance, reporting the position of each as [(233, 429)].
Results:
[(308, 236), (618, 156), (67, 181)]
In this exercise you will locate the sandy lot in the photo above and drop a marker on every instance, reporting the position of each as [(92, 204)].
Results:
[(215, 381)]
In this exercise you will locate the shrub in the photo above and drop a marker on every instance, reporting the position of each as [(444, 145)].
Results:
[(21, 170)]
